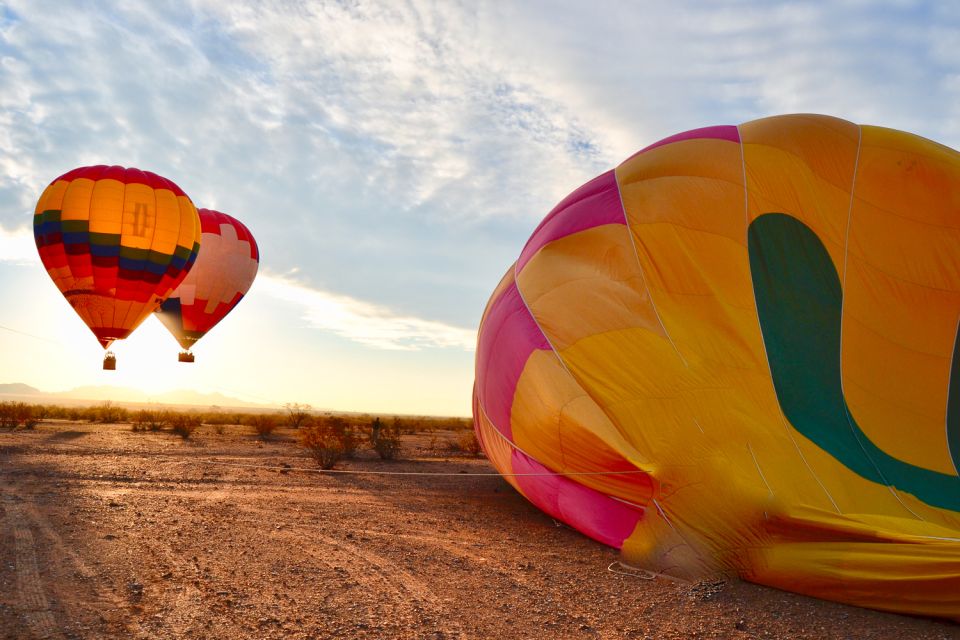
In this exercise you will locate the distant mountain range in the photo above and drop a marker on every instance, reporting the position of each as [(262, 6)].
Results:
[(20, 391)]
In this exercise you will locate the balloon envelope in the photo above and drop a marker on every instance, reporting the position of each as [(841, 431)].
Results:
[(224, 270), (736, 353), (116, 241)]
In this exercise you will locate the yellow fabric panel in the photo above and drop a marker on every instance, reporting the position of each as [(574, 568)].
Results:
[(890, 389), (694, 320), (139, 216), (189, 223), (168, 223), (909, 176), (52, 197), (496, 447), (704, 158), (803, 166), (848, 491), (106, 207), (918, 579), (76, 200), (922, 319), (901, 301), (584, 282), (907, 250), (557, 424)]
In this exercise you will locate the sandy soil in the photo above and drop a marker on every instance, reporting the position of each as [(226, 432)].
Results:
[(105, 533)]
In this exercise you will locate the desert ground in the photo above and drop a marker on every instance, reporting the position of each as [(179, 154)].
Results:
[(107, 533)]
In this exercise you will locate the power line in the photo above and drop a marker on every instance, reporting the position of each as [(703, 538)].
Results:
[(29, 335)]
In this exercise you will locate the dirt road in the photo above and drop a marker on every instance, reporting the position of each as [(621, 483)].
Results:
[(106, 533)]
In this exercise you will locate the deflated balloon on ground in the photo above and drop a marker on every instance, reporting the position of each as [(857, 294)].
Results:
[(736, 353)]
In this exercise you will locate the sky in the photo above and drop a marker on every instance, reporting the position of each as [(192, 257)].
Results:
[(391, 158)]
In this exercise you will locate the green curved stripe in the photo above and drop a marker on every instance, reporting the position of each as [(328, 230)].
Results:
[(953, 406), (799, 302)]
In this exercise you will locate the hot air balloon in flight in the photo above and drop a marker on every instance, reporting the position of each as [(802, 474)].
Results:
[(737, 353), (116, 241), (223, 273)]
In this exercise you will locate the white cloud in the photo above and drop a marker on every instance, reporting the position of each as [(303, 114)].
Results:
[(18, 247), (365, 323)]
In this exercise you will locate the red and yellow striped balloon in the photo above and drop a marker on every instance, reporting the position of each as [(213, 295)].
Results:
[(116, 241)]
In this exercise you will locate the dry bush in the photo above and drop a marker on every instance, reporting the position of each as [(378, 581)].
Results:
[(8, 419), (324, 443), (184, 424), (263, 423), (150, 420), (298, 415), (385, 440), (344, 432), (107, 413), (14, 414), (25, 416), (467, 443)]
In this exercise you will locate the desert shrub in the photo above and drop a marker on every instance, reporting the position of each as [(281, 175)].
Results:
[(263, 423), (150, 420), (345, 433), (14, 414), (184, 424), (24, 415), (385, 440), (298, 415), (7, 415), (323, 442), (467, 443), (107, 413)]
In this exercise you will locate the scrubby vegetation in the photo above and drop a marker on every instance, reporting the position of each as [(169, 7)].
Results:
[(323, 442), (17, 414), (328, 436), (385, 440)]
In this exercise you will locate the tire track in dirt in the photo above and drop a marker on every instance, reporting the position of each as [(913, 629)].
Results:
[(32, 602), (185, 610), (455, 549), (103, 595), (373, 572)]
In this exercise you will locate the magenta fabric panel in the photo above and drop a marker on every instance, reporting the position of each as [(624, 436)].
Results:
[(507, 338), (590, 512), (721, 132), (595, 203)]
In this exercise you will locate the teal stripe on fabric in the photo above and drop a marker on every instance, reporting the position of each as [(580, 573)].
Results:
[(105, 239), (50, 215), (799, 303), (75, 226), (953, 405)]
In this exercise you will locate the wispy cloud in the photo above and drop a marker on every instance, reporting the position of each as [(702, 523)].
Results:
[(421, 142), (368, 324)]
